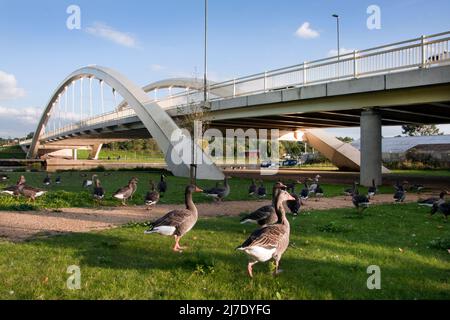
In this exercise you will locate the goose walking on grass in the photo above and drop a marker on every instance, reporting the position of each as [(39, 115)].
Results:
[(314, 185), (261, 192), (87, 183), (252, 188), (219, 193), (265, 215), (162, 185), (152, 197), (29, 192), (431, 201), (126, 192), (14, 190), (47, 180), (441, 206), (98, 192), (361, 202), (373, 190), (177, 223), (269, 242), (400, 193), (304, 194)]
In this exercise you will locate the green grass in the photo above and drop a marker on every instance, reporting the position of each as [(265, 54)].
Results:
[(329, 254), (13, 152), (71, 194), (125, 156)]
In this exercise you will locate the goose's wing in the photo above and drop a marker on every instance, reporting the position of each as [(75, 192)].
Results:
[(260, 214), (152, 196), (126, 191), (173, 219), (267, 237)]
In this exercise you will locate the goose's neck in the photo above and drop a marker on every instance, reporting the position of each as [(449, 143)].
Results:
[(189, 203), (281, 213)]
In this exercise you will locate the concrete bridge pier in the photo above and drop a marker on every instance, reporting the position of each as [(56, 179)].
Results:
[(371, 152), (95, 151)]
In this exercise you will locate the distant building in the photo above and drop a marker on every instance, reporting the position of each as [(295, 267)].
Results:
[(423, 148)]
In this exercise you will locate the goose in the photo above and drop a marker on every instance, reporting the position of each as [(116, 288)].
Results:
[(304, 194), (47, 181), (252, 188), (261, 192), (359, 201), (14, 190), (27, 191), (290, 187), (4, 177), (126, 192), (152, 196), (89, 183), (219, 193), (431, 201), (58, 180), (178, 222), (441, 206), (373, 190), (294, 205), (265, 215), (269, 242), (162, 185), (417, 188), (98, 192), (134, 185), (314, 185), (318, 192), (400, 194)]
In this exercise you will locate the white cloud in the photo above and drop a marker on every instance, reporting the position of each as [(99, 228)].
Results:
[(104, 31), (334, 52), (306, 32), (17, 122), (8, 87)]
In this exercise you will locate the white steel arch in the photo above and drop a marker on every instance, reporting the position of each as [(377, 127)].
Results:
[(155, 119)]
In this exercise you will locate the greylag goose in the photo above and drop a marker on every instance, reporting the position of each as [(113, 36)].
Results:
[(47, 181), (269, 242), (266, 215), (431, 201), (178, 222), (400, 194), (27, 191), (252, 188), (162, 185), (304, 194), (87, 183), (314, 185), (373, 190), (58, 180), (126, 192), (361, 202), (152, 196), (134, 185), (98, 192), (443, 207), (219, 193), (261, 192)]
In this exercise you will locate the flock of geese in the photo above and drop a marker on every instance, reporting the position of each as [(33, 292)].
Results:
[(268, 242)]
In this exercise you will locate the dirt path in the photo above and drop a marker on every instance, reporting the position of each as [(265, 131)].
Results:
[(20, 226)]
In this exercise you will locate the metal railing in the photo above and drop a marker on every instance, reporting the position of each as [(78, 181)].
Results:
[(423, 52)]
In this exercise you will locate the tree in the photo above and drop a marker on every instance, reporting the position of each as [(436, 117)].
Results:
[(346, 139), (421, 130), (30, 135)]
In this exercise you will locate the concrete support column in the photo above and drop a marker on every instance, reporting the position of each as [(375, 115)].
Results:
[(75, 154), (371, 152), (95, 151)]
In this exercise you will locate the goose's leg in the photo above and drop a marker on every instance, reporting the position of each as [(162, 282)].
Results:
[(177, 247), (250, 268), (277, 265)]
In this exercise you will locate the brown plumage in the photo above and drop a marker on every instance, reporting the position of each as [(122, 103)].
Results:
[(27, 191), (126, 192), (152, 196), (269, 242), (178, 222)]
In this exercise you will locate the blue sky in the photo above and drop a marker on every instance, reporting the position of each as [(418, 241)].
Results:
[(153, 40)]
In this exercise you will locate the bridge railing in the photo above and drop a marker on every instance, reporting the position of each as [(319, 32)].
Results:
[(423, 52)]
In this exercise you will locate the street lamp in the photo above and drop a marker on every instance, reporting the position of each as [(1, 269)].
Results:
[(338, 35)]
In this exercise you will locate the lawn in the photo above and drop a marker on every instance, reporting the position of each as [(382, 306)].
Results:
[(423, 173), (71, 194), (328, 259)]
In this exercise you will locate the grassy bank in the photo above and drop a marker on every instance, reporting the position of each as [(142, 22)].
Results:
[(328, 259)]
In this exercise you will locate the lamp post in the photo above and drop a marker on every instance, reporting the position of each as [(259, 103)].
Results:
[(338, 35)]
